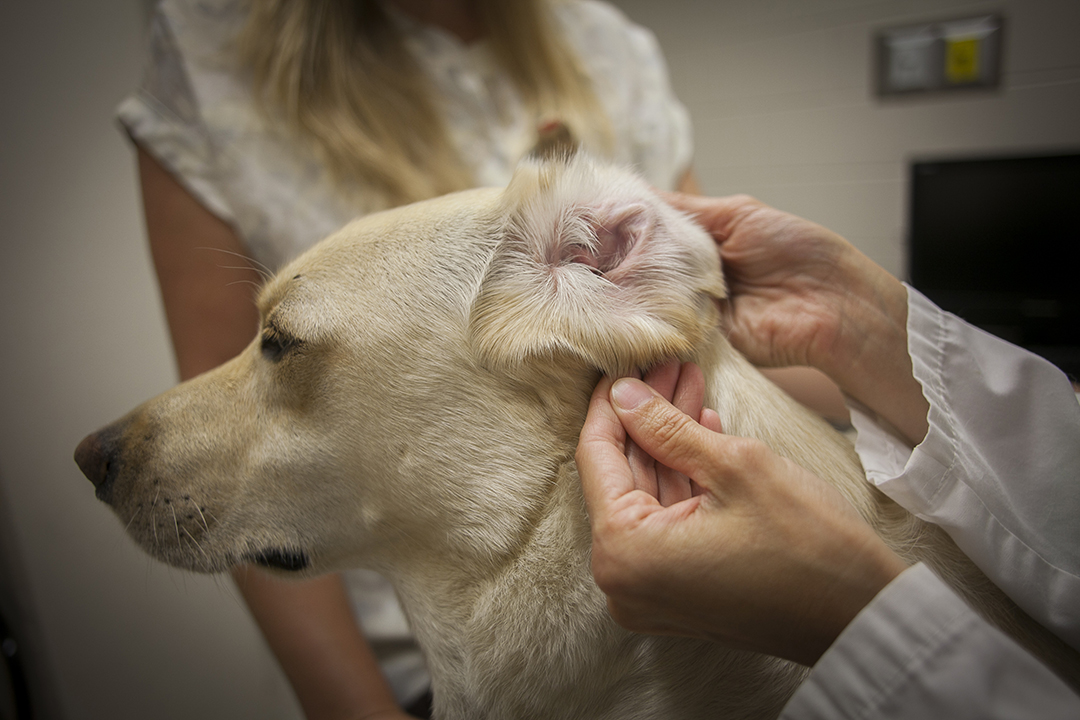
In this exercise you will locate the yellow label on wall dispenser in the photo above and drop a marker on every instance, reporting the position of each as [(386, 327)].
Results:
[(962, 60)]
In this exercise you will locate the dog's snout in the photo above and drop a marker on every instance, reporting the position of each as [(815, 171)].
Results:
[(96, 457)]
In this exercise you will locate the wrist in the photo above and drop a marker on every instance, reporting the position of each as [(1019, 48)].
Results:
[(870, 569), (871, 362)]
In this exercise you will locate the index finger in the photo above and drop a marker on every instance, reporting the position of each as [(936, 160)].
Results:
[(601, 457)]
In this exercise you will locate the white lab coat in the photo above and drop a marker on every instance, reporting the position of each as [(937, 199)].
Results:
[(999, 470)]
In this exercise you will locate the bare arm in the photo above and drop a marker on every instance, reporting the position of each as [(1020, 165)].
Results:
[(814, 389), (208, 291), (207, 286), (310, 627)]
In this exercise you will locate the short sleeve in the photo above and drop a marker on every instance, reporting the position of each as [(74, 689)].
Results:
[(662, 133), (163, 117), (195, 112)]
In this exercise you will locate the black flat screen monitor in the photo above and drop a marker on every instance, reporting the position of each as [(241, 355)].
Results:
[(997, 241)]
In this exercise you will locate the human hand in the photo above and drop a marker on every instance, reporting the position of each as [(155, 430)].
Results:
[(742, 546), (799, 294), (792, 282)]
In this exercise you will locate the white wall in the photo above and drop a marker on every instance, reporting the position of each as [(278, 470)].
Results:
[(82, 341), (781, 97), (780, 94)]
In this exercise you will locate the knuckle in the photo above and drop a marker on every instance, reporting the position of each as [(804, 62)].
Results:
[(581, 454), (669, 428)]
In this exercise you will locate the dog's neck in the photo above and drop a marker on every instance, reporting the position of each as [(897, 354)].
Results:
[(514, 638), (535, 639), (530, 511), (460, 618)]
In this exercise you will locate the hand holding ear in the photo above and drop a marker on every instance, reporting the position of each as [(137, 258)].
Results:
[(755, 552), (799, 294)]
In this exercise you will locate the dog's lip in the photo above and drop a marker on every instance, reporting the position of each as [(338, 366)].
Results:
[(277, 558)]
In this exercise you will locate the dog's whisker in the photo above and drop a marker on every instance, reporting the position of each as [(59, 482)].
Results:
[(132, 519), (252, 283), (265, 272), (175, 524), (206, 526), (197, 545)]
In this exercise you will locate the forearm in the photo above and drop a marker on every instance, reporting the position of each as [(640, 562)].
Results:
[(310, 628), (870, 359), (813, 389)]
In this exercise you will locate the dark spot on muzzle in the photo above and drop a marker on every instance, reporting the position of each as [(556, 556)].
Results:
[(281, 559)]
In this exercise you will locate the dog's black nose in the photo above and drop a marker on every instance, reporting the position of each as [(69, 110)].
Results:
[(95, 456)]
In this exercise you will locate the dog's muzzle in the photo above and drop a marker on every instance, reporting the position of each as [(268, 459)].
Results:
[(102, 459)]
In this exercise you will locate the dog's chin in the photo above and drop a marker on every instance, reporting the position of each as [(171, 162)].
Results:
[(209, 563)]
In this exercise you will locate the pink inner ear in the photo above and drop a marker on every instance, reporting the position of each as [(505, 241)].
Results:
[(617, 232)]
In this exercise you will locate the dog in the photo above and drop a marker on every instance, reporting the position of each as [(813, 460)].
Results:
[(412, 404)]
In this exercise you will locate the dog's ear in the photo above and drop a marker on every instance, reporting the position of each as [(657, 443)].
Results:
[(591, 263)]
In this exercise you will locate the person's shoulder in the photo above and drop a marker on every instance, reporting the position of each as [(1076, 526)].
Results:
[(595, 15), (600, 27)]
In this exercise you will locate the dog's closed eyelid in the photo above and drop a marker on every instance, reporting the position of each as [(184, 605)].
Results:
[(275, 344), (271, 346)]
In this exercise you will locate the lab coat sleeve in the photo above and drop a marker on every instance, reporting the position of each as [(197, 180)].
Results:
[(999, 469), (918, 651)]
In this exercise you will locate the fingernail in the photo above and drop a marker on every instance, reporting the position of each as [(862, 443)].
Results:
[(628, 393)]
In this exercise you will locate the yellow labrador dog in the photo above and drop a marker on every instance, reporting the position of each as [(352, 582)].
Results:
[(412, 405)]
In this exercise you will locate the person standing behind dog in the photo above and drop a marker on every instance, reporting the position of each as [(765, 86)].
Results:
[(264, 125), (959, 427)]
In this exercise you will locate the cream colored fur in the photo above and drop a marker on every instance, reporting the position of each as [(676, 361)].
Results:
[(412, 405)]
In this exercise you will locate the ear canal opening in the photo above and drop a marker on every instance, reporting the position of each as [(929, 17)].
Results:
[(613, 233)]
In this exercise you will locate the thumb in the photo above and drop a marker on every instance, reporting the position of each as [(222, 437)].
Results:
[(664, 432)]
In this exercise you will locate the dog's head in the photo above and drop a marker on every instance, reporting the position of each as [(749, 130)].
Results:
[(417, 381)]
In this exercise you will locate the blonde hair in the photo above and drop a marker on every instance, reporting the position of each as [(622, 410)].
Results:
[(339, 75)]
